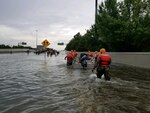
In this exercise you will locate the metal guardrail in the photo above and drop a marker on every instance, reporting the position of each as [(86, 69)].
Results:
[(138, 59)]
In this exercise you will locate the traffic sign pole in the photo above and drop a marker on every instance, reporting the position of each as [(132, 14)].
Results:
[(45, 44)]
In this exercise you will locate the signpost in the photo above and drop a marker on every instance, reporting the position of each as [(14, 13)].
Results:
[(45, 44), (61, 43)]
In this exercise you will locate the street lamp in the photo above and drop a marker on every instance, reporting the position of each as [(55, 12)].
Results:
[(36, 38)]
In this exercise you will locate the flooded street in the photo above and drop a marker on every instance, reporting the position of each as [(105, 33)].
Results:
[(31, 84)]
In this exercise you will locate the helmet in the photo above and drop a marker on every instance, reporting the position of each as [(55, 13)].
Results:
[(102, 50)]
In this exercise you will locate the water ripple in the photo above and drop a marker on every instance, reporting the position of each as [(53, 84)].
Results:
[(29, 84)]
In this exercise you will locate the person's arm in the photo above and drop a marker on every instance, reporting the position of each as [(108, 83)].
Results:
[(95, 65), (65, 57)]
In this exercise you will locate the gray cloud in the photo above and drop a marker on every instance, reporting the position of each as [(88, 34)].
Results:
[(55, 19)]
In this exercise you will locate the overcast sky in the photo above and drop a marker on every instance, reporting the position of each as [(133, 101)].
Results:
[(55, 20)]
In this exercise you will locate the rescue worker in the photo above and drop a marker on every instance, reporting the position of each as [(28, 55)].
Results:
[(81, 55), (83, 59), (102, 64), (91, 56), (96, 55), (69, 58), (71, 52), (74, 56)]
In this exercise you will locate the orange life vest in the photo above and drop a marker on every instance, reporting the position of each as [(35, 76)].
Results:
[(75, 54), (90, 54), (104, 59), (69, 57)]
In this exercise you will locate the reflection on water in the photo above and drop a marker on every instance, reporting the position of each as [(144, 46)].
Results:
[(31, 84)]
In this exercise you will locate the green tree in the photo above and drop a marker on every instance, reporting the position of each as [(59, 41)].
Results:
[(120, 26)]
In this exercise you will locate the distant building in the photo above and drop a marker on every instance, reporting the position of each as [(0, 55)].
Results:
[(40, 47)]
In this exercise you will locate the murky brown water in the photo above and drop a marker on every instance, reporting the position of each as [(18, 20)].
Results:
[(29, 84)]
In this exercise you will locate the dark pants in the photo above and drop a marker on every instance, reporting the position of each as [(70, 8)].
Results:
[(101, 71), (69, 63), (84, 63)]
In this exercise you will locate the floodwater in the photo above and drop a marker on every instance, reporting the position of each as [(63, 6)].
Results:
[(33, 84)]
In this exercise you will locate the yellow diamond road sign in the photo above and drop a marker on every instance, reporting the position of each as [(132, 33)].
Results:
[(45, 43)]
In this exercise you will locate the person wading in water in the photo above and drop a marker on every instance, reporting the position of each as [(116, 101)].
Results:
[(102, 64)]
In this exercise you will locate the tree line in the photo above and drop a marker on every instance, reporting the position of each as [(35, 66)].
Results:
[(121, 26), (3, 46)]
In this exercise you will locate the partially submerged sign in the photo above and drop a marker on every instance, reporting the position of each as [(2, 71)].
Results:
[(45, 43)]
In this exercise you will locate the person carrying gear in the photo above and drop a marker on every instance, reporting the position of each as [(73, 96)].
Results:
[(69, 58), (81, 55), (83, 58), (102, 64)]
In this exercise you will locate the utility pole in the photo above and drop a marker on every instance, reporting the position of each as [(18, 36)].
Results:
[(96, 3)]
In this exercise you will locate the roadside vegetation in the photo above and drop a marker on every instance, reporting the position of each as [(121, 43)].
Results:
[(120, 26)]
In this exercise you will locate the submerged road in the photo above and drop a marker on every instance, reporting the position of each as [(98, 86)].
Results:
[(31, 84)]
